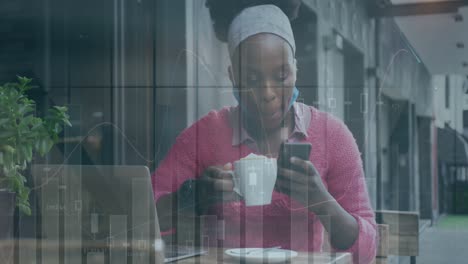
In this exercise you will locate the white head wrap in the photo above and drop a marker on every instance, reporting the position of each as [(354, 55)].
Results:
[(260, 19)]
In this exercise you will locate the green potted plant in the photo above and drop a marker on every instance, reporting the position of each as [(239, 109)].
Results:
[(22, 134)]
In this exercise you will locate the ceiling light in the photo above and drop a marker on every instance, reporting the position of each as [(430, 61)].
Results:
[(458, 18), (460, 45)]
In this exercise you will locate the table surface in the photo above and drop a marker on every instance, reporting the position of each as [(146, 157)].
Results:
[(218, 256), (99, 253)]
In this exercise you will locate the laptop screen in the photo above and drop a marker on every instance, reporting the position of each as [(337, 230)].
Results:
[(98, 205)]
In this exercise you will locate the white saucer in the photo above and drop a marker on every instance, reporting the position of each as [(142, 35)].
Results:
[(261, 255)]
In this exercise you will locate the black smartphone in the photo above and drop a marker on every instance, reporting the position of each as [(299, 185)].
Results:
[(288, 150)]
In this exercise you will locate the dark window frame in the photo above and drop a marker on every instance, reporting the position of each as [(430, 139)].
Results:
[(447, 92)]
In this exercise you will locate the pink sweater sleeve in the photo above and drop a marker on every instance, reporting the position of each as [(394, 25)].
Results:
[(180, 164), (346, 182)]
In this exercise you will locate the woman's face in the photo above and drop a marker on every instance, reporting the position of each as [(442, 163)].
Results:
[(264, 72)]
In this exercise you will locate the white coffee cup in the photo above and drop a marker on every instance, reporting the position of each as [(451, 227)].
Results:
[(254, 179)]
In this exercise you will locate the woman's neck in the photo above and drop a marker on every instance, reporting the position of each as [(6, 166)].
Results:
[(257, 131)]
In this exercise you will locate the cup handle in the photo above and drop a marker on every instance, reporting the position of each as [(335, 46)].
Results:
[(236, 186)]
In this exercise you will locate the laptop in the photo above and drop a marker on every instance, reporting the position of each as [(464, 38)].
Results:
[(111, 205)]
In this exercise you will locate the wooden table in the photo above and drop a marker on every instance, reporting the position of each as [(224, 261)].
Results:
[(53, 252)]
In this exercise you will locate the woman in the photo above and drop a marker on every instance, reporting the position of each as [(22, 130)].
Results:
[(327, 191)]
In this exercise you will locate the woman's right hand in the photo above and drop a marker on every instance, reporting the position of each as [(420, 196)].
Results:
[(216, 185)]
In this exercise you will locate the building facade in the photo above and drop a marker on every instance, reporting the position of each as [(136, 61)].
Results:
[(451, 108)]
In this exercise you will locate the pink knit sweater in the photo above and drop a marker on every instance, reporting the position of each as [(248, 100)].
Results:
[(284, 222)]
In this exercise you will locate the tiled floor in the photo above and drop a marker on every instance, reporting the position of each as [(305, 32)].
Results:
[(440, 245)]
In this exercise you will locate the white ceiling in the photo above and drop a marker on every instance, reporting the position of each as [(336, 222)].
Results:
[(434, 38)]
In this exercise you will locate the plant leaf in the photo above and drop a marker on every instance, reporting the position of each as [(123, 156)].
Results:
[(29, 153), (8, 149), (7, 133), (43, 147), (22, 134), (24, 208), (3, 121), (67, 122)]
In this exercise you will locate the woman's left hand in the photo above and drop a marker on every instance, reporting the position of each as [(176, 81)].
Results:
[(303, 183)]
